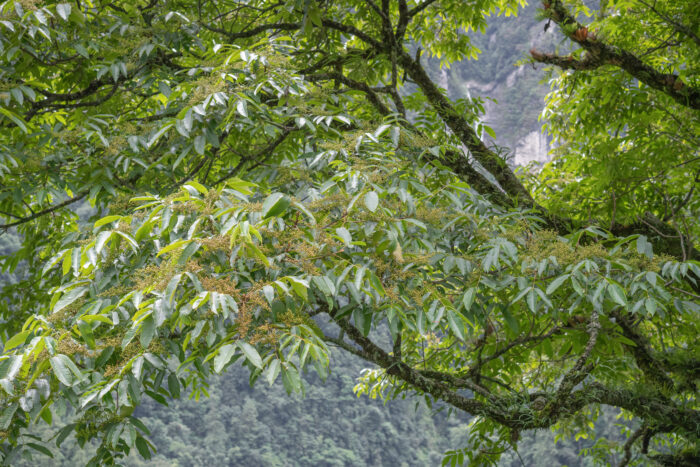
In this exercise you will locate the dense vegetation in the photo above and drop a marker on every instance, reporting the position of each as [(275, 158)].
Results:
[(239, 425), (268, 186)]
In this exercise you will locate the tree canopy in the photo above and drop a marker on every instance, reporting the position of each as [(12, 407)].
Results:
[(270, 179)]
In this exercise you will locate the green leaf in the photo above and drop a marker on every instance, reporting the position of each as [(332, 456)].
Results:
[(164, 88), (510, 319), (224, 356), (63, 10), (7, 414), (171, 288), (300, 286), (86, 332), (376, 284), (456, 324), (100, 318), (15, 118), (362, 320), (67, 261), (69, 297), (251, 354), (64, 433), (532, 300), (650, 306), (371, 201), (142, 446), (326, 287), (269, 293), (187, 253), (644, 247), (158, 134), (147, 331), (197, 186), (173, 246), (290, 378), (200, 143), (256, 252), (100, 242), (242, 107), (17, 339), (129, 239), (274, 205), (468, 299), (616, 292), (107, 220), (60, 369), (11, 366), (174, 385), (345, 235), (272, 371), (302, 208), (17, 94), (40, 448), (556, 283)]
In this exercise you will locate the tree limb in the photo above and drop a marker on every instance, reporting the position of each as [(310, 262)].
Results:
[(466, 134), (601, 53), (43, 212)]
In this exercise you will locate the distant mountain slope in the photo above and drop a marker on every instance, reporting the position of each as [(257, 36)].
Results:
[(515, 94)]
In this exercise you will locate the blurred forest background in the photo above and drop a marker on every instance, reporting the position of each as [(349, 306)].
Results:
[(239, 426)]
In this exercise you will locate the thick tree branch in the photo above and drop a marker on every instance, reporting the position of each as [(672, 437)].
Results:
[(660, 411), (353, 31), (457, 382), (664, 237), (466, 134), (394, 367), (567, 62), (689, 459), (404, 19)]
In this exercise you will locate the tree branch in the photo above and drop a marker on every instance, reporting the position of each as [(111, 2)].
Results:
[(372, 95), (43, 212), (628, 445), (575, 375), (253, 31), (604, 54), (417, 9), (260, 156), (678, 26), (466, 134), (437, 389)]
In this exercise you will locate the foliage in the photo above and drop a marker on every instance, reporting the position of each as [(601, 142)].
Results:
[(262, 195), (625, 148), (239, 424)]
